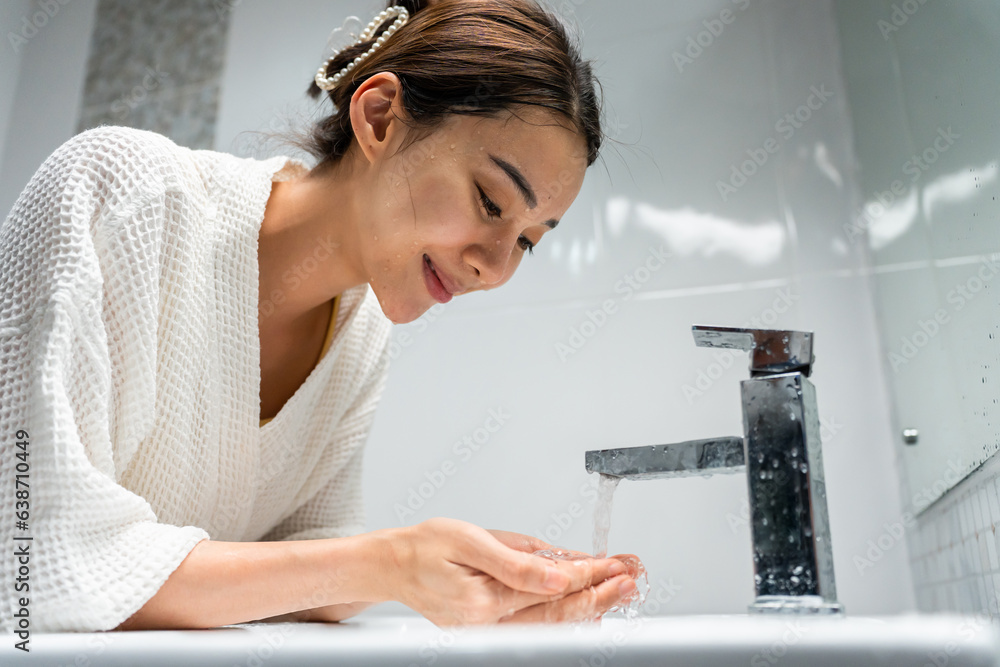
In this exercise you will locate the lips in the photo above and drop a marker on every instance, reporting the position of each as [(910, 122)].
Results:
[(436, 285)]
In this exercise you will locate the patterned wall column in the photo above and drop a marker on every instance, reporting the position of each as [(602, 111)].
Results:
[(156, 65)]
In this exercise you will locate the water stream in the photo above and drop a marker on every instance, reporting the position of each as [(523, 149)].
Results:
[(602, 514), (629, 607)]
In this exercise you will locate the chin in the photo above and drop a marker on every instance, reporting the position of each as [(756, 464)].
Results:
[(400, 312)]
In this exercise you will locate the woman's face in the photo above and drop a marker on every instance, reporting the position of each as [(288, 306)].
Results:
[(458, 209)]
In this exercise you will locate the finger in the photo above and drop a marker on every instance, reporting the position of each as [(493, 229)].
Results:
[(515, 569), (559, 553), (590, 571), (593, 572), (633, 565), (520, 542), (586, 604)]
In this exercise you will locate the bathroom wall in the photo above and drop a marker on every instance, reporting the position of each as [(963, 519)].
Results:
[(721, 199), (494, 398), (12, 16), (927, 136), (48, 44)]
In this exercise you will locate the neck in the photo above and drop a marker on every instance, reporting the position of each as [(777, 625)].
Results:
[(307, 246)]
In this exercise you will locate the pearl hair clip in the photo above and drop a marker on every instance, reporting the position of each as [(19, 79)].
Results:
[(402, 16)]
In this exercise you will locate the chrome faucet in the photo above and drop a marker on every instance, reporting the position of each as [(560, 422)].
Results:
[(781, 453)]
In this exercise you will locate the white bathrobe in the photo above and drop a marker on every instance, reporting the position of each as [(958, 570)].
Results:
[(130, 362)]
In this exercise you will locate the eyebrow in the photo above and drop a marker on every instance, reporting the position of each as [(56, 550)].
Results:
[(523, 186)]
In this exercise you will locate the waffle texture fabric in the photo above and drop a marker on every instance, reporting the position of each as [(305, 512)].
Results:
[(129, 357)]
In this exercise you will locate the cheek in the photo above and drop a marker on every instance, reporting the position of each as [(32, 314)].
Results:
[(512, 264), (442, 215)]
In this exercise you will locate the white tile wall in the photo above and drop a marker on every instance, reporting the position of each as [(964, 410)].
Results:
[(955, 548), (773, 251), (922, 74)]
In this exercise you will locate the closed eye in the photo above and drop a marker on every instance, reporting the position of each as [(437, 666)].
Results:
[(494, 213), (492, 210)]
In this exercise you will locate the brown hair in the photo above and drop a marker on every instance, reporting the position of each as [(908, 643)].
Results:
[(474, 57)]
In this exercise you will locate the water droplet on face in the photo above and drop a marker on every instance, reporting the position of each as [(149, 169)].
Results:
[(375, 237)]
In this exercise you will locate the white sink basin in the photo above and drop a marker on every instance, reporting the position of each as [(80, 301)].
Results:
[(706, 641)]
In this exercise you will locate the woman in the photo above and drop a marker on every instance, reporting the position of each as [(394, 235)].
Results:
[(191, 395)]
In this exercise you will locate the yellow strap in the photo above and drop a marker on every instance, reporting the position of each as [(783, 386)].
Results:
[(326, 341), (333, 325)]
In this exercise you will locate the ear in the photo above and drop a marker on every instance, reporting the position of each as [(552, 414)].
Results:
[(376, 110)]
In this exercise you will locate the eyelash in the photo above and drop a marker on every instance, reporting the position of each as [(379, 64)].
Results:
[(494, 213)]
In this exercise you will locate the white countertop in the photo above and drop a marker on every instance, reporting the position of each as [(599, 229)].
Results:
[(412, 641)]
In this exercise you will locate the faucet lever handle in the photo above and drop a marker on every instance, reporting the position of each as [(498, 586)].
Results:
[(772, 351)]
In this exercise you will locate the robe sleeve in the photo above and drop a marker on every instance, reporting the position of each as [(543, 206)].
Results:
[(97, 552)]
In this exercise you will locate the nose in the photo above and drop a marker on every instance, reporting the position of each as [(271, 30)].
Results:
[(491, 260)]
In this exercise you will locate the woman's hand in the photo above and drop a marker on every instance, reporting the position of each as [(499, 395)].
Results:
[(633, 566), (456, 573)]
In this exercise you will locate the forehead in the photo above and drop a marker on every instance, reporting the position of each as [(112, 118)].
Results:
[(542, 144)]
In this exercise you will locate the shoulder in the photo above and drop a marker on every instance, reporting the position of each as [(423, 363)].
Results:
[(116, 139), (117, 149), (110, 163)]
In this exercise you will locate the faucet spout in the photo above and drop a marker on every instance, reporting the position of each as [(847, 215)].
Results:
[(683, 459)]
